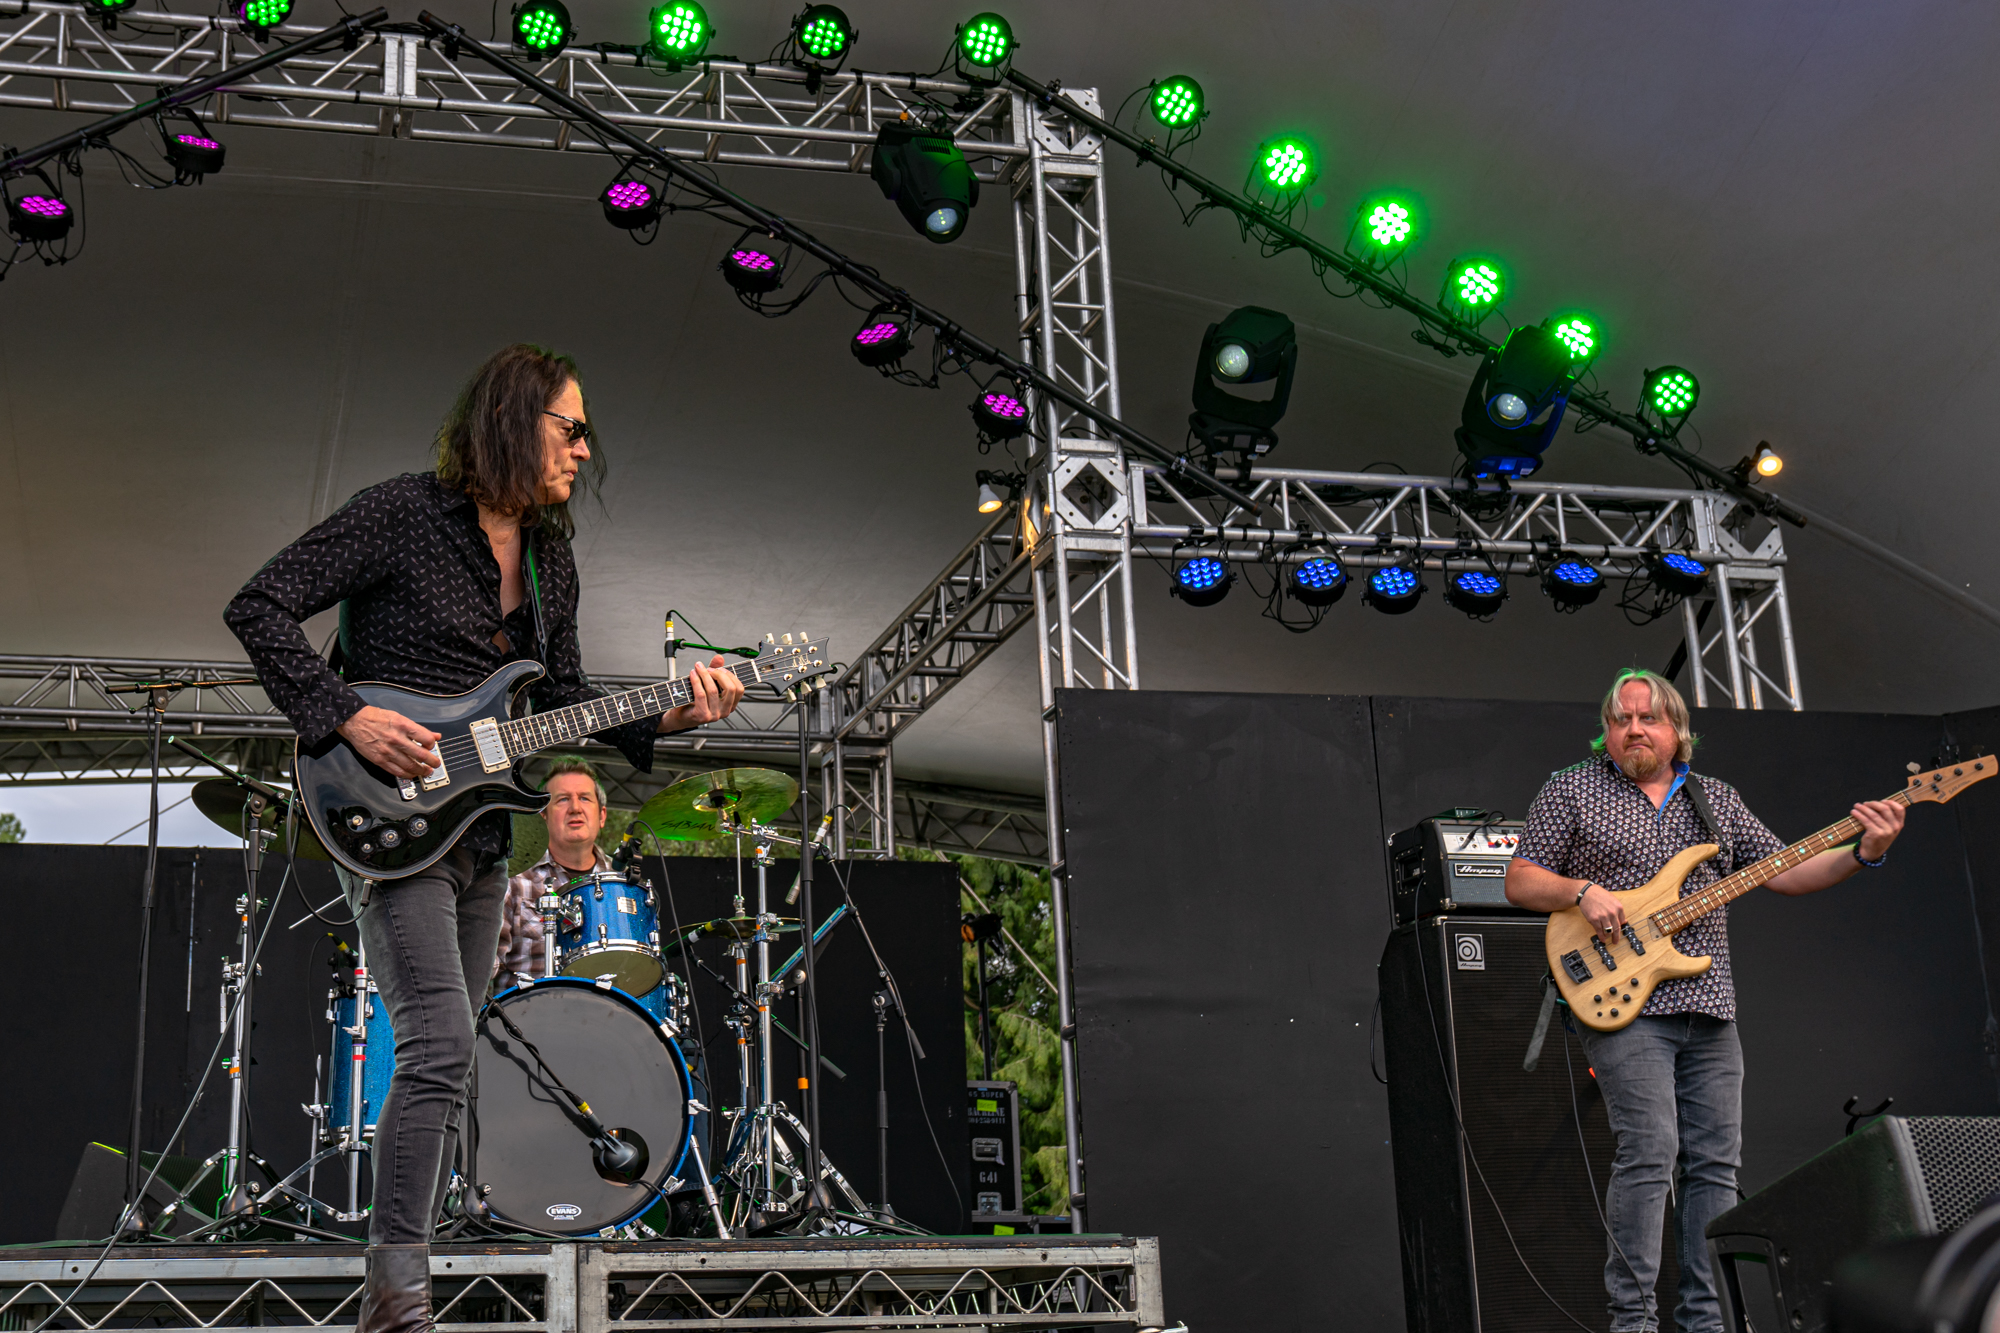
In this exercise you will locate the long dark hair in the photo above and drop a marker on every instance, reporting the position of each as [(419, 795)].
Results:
[(490, 445)]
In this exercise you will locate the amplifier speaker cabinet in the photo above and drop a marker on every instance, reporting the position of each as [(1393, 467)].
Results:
[(1460, 995), (1900, 1178), (1455, 861)]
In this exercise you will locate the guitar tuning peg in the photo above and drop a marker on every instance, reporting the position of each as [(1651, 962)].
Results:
[(771, 638), (788, 639), (1914, 767)]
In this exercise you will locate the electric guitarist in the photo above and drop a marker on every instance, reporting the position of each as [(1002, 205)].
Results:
[(1673, 1077), (442, 578)]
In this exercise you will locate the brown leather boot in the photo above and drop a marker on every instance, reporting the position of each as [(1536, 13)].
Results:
[(397, 1298)]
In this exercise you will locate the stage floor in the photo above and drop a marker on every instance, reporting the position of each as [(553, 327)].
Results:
[(959, 1282)]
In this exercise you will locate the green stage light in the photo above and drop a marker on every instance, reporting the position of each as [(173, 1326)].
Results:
[(986, 40), (542, 27), (106, 8), (1389, 224), (263, 14), (824, 32), (1579, 334), (1287, 165), (1473, 288), (1671, 392), (1384, 227), (678, 30), (1177, 102)]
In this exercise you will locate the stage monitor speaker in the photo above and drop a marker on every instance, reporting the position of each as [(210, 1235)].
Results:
[(1460, 996), (97, 1194), (1900, 1178)]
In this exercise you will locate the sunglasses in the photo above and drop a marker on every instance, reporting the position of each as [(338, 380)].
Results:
[(575, 430)]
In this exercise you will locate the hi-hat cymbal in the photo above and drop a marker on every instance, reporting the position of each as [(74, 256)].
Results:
[(222, 801), (704, 805)]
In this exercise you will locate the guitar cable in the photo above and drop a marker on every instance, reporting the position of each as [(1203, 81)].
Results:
[(1589, 1173)]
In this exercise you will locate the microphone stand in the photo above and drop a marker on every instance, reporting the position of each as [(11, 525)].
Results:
[(818, 1200), (159, 693)]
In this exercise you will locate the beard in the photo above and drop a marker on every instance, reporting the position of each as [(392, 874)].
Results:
[(1641, 763)]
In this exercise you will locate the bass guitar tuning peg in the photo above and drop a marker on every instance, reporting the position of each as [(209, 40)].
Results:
[(1914, 766)]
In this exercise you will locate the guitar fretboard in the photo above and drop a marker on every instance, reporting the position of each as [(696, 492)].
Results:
[(1697, 905), (538, 731)]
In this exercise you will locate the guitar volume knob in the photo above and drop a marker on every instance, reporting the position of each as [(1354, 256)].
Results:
[(419, 826)]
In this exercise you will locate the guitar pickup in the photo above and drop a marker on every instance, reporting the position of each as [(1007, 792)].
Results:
[(1632, 938), (492, 749), (1579, 971), (1603, 954), (437, 777)]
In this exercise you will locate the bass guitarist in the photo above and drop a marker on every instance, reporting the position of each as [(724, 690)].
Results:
[(442, 578), (1673, 1078)]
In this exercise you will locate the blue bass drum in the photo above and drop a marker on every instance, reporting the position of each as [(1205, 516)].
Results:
[(368, 1063), (534, 1161), (609, 928)]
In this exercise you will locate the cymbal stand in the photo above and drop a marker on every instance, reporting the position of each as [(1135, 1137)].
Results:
[(239, 979)]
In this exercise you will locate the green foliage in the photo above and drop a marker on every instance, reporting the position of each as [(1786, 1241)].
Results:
[(11, 829), (1026, 1050)]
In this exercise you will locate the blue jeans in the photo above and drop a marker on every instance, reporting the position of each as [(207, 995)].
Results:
[(431, 941), (1674, 1090)]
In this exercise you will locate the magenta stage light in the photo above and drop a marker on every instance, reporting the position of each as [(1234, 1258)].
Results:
[(39, 217), (194, 154), (1001, 416), (752, 271), (880, 342), (630, 204)]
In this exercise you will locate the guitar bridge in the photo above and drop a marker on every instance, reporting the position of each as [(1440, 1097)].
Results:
[(492, 750), (1579, 971)]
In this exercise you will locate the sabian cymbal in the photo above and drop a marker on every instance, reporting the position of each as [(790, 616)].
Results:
[(703, 805), (222, 801)]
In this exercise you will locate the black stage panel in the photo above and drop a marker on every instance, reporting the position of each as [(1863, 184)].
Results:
[(1227, 911), (1978, 814), (1229, 902), (70, 995)]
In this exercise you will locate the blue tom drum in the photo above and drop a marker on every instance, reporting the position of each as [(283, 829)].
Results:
[(362, 1054), (609, 927)]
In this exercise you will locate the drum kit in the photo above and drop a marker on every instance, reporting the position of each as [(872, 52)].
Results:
[(587, 1111)]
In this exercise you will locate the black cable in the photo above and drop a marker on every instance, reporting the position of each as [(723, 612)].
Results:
[(1590, 1174), (1374, 1019), (1465, 1140)]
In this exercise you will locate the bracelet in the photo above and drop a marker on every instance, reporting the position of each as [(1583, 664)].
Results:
[(1865, 861), (1588, 885)]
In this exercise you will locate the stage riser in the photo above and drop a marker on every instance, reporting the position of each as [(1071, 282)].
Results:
[(1108, 1283)]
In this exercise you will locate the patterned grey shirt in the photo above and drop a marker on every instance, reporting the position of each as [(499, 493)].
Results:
[(1592, 822)]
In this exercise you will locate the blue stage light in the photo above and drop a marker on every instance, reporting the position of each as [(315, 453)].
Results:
[(1571, 583), (1318, 581), (1475, 592), (1202, 580), (1393, 590), (1681, 575)]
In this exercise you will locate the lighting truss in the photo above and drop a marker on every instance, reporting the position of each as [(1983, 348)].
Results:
[(1375, 519), (408, 86)]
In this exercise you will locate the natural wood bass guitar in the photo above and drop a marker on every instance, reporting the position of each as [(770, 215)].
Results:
[(1606, 984)]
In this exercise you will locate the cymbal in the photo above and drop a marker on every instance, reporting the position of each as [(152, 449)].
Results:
[(734, 927), (704, 805), (222, 801)]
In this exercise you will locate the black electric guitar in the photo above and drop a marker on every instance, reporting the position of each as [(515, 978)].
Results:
[(1607, 983), (380, 826)]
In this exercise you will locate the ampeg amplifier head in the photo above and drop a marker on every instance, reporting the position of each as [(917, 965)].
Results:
[(1454, 860)]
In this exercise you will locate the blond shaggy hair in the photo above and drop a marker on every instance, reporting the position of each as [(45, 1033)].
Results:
[(1663, 698)]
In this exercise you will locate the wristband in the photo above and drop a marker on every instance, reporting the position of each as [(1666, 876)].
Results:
[(1588, 885), (1865, 861)]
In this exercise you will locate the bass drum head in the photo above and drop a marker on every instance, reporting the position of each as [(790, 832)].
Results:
[(607, 1050)]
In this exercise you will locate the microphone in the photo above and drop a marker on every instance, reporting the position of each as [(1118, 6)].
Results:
[(825, 823), (627, 851)]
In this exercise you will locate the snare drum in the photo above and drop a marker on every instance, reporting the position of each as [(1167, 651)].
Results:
[(609, 928), (371, 1063)]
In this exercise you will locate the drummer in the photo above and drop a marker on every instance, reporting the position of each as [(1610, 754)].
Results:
[(576, 814)]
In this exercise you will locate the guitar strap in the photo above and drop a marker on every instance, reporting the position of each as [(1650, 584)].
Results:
[(1699, 795)]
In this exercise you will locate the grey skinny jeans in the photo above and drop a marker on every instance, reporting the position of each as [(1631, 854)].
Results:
[(431, 941), (1674, 1090)]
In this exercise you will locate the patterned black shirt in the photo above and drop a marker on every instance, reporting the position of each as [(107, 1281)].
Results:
[(419, 595), (1592, 822)]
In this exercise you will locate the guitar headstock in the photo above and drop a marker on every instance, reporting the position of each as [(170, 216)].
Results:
[(1941, 784), (792, 664)]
